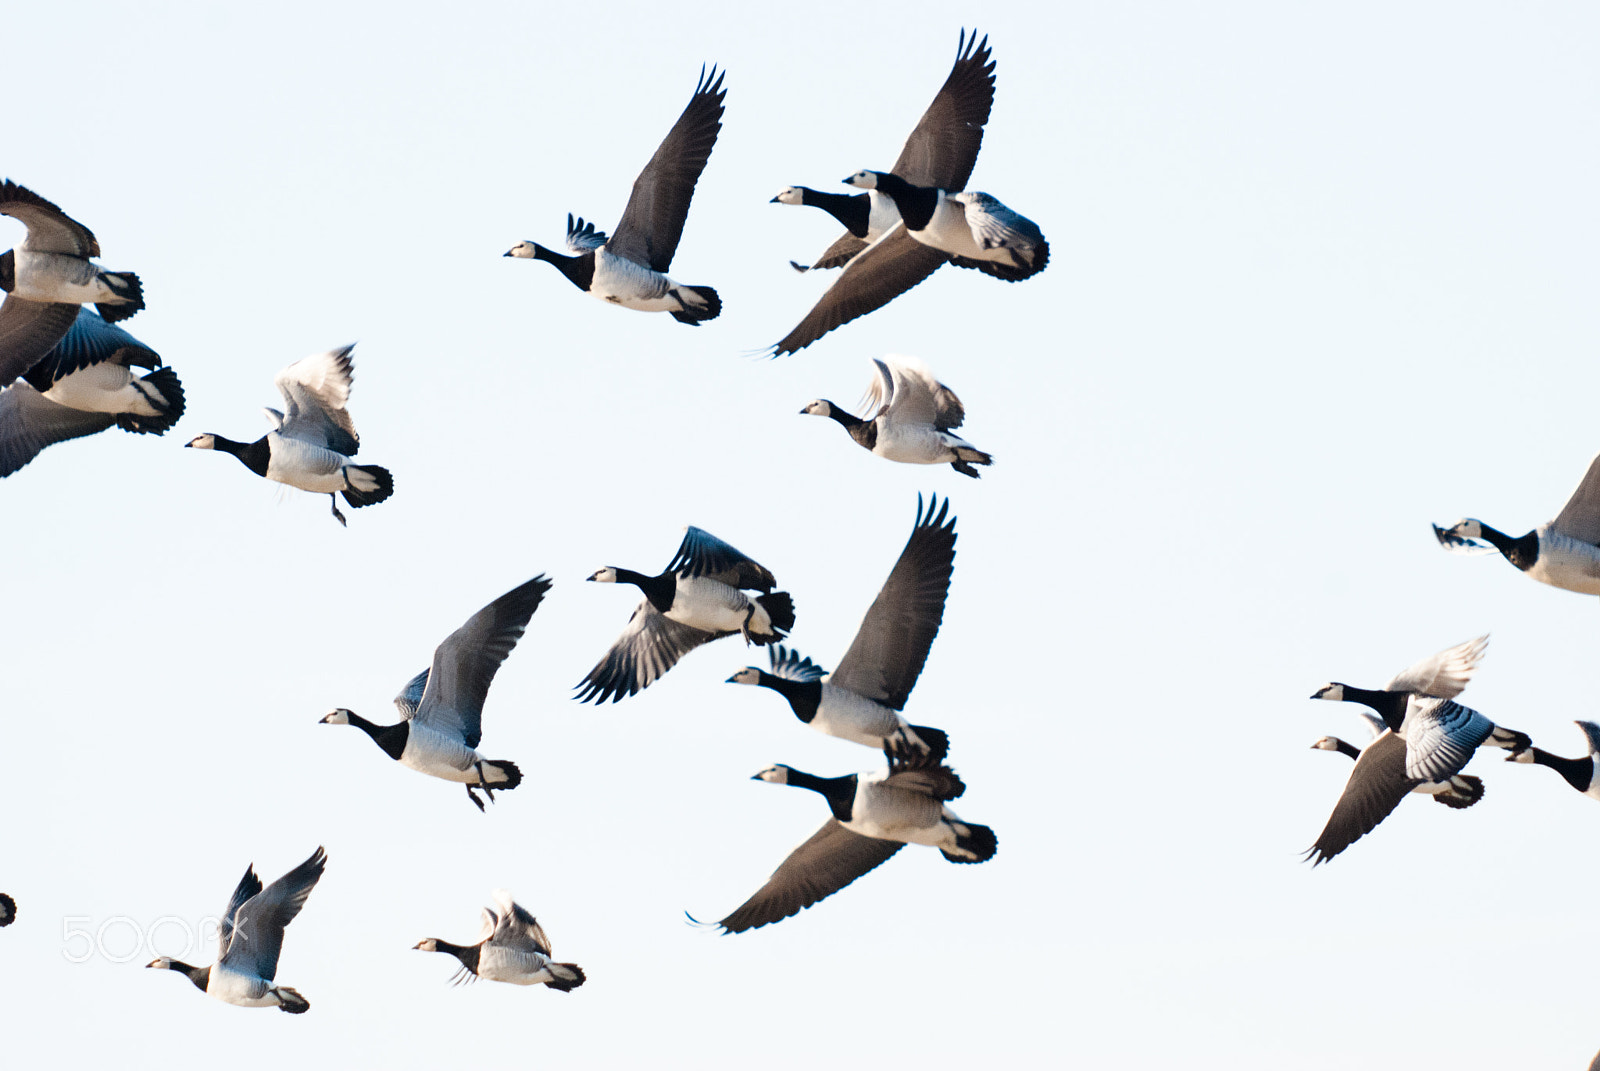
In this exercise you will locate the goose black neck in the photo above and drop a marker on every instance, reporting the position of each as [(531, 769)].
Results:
[(1522, 551), (916, 203), (392, 738), (467, 954), (804, 696), (660, 590), (849, 420), (200, 976), (254, 455), (853, 210), (1579, 773), (579, 270), (1345, 747), (840, 792), (1391, 706)]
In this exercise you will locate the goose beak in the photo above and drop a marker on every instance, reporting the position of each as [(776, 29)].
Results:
[(507, 253), (773, 201)]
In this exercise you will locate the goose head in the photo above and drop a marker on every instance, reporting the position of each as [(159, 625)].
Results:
[(747, 675), (338, 717), (1331, 692), (165, 963), (817, 408), (207, 441), (774, 775), (1463, 537), (526, 250), (1327, 743), (866, 180), (789, 195), (608, 575), (427, 944)]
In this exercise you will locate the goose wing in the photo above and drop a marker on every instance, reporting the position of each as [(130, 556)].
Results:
[(943, 148), (1591, 733), (1580, 517), (787, 663), (703, 554), (248, 886), (650, 644), (29, 330), (839, 253), (516, 928), (1441, 736), (652, 223), (464, 665), (994, 225), (316, 390), (913, 395), (886, 269), (937, 781), (1376, 786), (410, 697), (583, 237), (50, 230), (831, 859), (1375, 724), (1444, 674), (88, 342), (257, 936), (29, 422), (891, 645)]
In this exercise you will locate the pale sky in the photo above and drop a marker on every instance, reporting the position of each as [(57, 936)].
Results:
[(1320, 275)]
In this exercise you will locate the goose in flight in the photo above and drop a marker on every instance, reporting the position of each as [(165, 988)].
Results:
[(862, 699), (875, 814), (83, 386), (1429, 737), (629, 268), (1579, 773), (511, 948), (940, 151), (913, 415), (973, 230), (312, 441), (442, 707), (1462, 790), (252, 937), (47, 277), (1564, 553), (699, 597)]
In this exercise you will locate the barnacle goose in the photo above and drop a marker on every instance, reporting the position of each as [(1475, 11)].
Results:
[(940, 151), (83, 386), (442, 707), (1462, 790), (862, 699), (1429, 737), (312, 441), (912, 417), (512, 947), (1579, 773), (629, 268), (252, 937), (1564, 553), (47, 276), (973, 229), (874, 815), (699, 597)]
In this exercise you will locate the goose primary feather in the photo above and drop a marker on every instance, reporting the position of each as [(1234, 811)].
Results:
[(874, 815), (1429, 738), (512, 947), (442, 707), (911, 418), (8, 910), (862, 699), (940, 151), (1579, 773), (1564, 553), (314, 438), (83, 386), (699, 597), (251, 939), (47, 276), (629, 267)]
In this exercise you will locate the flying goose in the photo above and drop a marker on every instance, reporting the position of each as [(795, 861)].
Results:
[(862, 699), (912, 414), (252, 937), (874, 815), (8, 910), (442, 707), (1564, 553), (973, 229), (47, 277), (699, 597), (83, 386), (1579, 773), (311, 443), (629, 268), (511, 948), (1462, 790), (1430, 737), (941, 152)]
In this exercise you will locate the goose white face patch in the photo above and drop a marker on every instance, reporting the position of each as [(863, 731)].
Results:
[(338, 717), (608, 575), (521, 249), (817, 408), (773, 775), (789, 196), (203, 442), (864, 179), (747, 675), (1331, 692)]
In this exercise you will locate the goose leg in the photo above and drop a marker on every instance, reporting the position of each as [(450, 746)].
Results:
[(483, 783), (336, 514), (745, 628), (473, 796)]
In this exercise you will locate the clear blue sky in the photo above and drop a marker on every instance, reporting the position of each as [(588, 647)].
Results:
[(1320, 275)]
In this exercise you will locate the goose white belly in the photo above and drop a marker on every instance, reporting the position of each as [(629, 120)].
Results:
[(712, 606), (59, 278), (1567, 563), (305, 465), (244, 990), (101, 388), (497, 964), (899, 814), (845, 714), (620, 281), (440, 755), (949, 232), (915, 444), (882, 215)]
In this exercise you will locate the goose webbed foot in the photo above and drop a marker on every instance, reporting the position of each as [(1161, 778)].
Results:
[(336, 514), (473, 796)]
